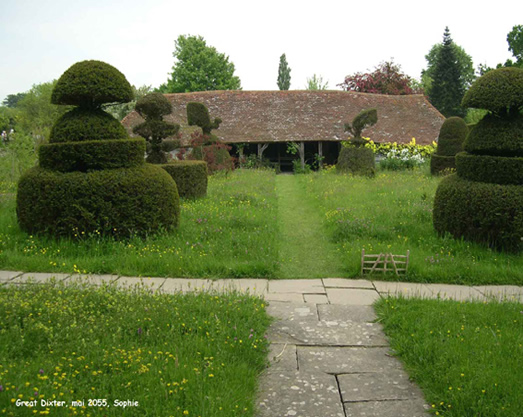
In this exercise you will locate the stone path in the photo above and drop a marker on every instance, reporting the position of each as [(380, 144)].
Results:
[(328, 357)]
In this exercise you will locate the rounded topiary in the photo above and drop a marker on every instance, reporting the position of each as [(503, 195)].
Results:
[(198, 115), (90, 84), (495, 135), (489, 168), (450, 141), (356, 160), (190, 177), (480, 212), (120, 202), (86, 124), (153, 106), (498, 91), (92, 177)]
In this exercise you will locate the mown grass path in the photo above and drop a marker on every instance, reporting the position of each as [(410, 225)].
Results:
[(305, 248)]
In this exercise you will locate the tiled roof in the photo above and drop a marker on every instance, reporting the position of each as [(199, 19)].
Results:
[(284, 116)]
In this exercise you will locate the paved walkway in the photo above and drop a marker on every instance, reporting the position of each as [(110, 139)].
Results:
[(328, 357)]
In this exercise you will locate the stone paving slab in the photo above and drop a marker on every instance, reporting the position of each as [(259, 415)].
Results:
[(290, 311), (347, 283), (132, 282), (336, 312), (176, 285), (377, 387), (311, 286), (299, 394), (501, 292), (293, 297), (97, 280), (455, 292), (340, 360), (40, 277), (6, 276), (282, 357), (316, 298), (408, 289), (409, 408), (245, 286), (348, 296)]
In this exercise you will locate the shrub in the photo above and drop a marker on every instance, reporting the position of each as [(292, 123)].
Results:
[(216, 154), (499, 91), (480, 212), (494, 135), (84, 124), (364, 119), (118, 202), (198, 115), (396, 160), (89, 84), (152, 107), (356, 160), (92, 155), (442, 164), (451, 136), (488, 168), (190, 177)]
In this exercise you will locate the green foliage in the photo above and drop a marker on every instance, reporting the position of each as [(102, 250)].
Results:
[(152, 107), (451, 136), (488, 168), (120, 110), (190, 177), (198, 115), (447, 87), (365, 118), (356, 160), (119, 202), (316, 83), (425, 151), (82, 124), (500, 91), (515, 42), (92, 155), (481, 212), (440, 164), (495, 135), (297, 168), (16, 157), (199, 67), (474, 116), (284, 74), (90, 84), (12, 100), (216, 155)]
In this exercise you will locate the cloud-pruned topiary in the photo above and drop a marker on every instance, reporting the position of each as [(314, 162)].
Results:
[(354, 157), (92, 177), (198, 115), (152, 107), (483, 201), (450, 141)]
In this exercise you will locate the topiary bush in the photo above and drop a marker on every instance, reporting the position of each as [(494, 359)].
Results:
[(190, 177), (92, 177), (355, 157), (450, 141), (483, 202), (152, 107), (198, 115)]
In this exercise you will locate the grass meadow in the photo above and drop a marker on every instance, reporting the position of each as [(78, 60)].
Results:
[(467, 357), (175, 355)]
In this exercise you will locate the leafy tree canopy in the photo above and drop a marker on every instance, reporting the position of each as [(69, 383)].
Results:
[(386, 78), (199, 67), (515, 43), (12, 100), (284, 74), (316, 83)]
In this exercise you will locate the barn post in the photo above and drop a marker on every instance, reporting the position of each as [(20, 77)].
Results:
[(261, 148), (320, 154), (302, 154)]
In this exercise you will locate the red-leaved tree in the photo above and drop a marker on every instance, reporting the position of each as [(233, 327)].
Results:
[(386, 78)]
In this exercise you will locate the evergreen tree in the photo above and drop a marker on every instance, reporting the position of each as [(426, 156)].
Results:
[(284, 74), (447, 88)]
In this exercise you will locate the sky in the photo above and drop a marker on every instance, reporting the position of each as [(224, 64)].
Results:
[(40, 39)]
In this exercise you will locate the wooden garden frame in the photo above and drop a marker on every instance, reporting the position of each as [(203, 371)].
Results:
[(384, 262)]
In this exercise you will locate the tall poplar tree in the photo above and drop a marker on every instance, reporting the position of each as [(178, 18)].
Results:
[(284, 74), (447, 88)]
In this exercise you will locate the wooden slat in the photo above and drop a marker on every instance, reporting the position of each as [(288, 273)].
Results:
[(382, 262)]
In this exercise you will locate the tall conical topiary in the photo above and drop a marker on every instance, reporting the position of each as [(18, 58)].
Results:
[(355, 157), (450, 141), (92, 177), (483, 201)]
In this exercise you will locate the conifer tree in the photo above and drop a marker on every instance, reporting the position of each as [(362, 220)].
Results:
[(447, 88), (284, 74)]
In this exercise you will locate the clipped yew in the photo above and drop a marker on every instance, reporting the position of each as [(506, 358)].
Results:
[(450, 142), (354, 157), (483, 201), (92, 178), (190, 177)]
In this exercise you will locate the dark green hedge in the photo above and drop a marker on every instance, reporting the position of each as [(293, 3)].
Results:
[(83, 124), (439, 163), (153, 106), (451, 136), (92, 155), (190, 177), (90, 84), (488, 168), (496, 90), (356, 160), (494, 135), (490, 214), (117, 202)]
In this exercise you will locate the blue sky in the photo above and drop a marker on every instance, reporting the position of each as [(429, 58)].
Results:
[(41, 39)]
